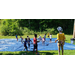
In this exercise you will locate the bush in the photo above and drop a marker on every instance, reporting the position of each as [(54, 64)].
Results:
[(51, 30), (4, 30)]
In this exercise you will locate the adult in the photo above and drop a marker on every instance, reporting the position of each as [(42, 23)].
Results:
[(60, 39)]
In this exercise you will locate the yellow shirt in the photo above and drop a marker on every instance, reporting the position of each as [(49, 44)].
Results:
[(48, 34), (61, 37)]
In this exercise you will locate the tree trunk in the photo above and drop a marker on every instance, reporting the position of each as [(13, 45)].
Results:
[(29, 24), (74, 30)]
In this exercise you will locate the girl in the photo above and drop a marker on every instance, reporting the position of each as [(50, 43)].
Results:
[(60, 39), (45, 37), (43, 41)]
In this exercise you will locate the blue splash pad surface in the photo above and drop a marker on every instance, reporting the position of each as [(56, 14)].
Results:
[(13, 45)]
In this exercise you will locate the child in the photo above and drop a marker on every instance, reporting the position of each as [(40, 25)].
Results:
[(50, 37), (25, 44), (43, 41), (60, 39), (16, 37), (27, 37), (35, 43), (45, 37), (29, 43), (21, 39), (39, 37)]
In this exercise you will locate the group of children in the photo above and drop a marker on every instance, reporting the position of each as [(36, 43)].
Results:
[(44, 38), (26, 41), (60, 39)]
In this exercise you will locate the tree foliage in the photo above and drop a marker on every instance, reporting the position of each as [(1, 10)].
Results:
[(23, 26)]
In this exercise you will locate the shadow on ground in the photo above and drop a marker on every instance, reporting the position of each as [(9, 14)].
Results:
[(27, 53), (39, 53)]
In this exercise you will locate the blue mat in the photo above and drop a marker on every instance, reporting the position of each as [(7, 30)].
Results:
[(13, 45)]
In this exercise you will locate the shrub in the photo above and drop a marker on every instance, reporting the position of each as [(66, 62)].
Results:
[(4, 30), (51, 30)]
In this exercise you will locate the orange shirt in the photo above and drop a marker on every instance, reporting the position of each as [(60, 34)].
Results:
[(34, 40)]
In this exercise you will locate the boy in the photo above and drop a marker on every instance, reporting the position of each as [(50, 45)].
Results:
[(25, 44), (60, 39), (28, 40), (35, 43), (16, 37), (50, 37)]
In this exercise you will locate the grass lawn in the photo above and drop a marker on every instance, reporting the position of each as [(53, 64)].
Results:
[(66, 52)]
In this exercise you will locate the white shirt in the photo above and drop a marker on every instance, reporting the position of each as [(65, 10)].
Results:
[(50, 36)]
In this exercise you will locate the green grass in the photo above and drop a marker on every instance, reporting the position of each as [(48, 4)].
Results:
[(66, 52), (53, 52)]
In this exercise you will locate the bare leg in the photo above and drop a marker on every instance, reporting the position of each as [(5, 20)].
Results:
[(62, 49), (36, 50), (58, 50), (24, 49)]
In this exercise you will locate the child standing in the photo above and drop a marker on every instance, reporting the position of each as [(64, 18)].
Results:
[(16, 37), (60, 39), (35, 43), (45, 37), (25, 44), (39, 37), (28, 40), (21, 39), (43, 41), (50, 37)]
